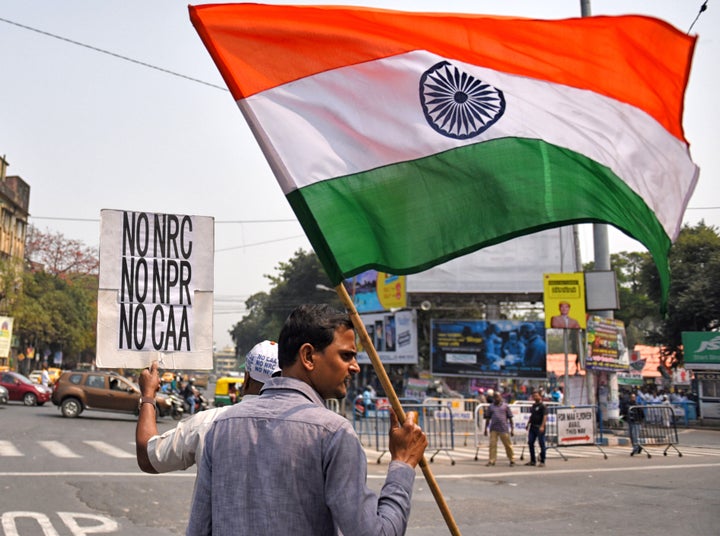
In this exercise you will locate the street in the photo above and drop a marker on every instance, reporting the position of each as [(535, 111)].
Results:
[(69, 477)]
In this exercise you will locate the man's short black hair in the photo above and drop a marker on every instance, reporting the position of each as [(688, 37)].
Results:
[(310, 323)]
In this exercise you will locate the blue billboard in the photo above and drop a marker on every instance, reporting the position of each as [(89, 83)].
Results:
[(492, 348)]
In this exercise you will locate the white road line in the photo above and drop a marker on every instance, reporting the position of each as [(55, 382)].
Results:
[(108, 449), (58, 449), (8, 449)]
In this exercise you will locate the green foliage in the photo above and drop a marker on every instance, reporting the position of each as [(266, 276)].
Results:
[(295, 282), (694, 303), (58, 313)]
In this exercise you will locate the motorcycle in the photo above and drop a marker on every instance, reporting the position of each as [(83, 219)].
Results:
[(201, 403), (177, 408)]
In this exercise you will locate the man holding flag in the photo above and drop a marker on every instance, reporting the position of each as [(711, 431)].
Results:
[(308, 467), (404, 140)]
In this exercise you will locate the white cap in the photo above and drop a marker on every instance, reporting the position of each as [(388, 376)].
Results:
[(262, 361)]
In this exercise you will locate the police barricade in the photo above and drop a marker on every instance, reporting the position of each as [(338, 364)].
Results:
[(372, 422), (656, 427), (436, 420), (463, 412), (566, 426), (521, 414)]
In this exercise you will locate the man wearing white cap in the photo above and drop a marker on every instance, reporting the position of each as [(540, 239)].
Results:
[(180, 447)]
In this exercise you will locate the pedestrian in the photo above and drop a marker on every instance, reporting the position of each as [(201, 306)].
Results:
[(283, 463), (45, 375), (179, 448), (499, 419), (536, 429), (634, 415)]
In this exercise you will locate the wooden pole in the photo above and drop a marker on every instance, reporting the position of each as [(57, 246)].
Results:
[(368, 345)]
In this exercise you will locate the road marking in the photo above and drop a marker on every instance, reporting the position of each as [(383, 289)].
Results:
[(540, 471), (8, 449), (58, 449), (108, 449)]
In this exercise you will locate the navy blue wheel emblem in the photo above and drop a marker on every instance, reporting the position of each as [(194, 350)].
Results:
[(458, 105)]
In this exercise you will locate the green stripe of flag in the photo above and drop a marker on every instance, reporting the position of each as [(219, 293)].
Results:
[(409, 216)]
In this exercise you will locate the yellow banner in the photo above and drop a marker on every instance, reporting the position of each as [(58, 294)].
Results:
[(564, 298)]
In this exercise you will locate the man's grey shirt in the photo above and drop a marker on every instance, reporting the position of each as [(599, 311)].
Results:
[(284, 464)]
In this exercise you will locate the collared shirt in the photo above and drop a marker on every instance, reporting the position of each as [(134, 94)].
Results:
[(180, 447), (284, 464), (499, 417)]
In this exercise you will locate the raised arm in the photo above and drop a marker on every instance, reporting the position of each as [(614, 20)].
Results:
[(146, 427)]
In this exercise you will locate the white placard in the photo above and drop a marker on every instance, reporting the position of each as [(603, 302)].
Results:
[(156, 290), (575, 426)]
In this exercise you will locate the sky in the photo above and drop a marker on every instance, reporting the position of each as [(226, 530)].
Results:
[(88, 130)]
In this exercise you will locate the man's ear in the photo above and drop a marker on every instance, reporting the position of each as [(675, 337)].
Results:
[(306, 356)]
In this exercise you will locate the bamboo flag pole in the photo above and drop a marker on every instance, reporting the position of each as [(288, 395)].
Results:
[(394, 401)]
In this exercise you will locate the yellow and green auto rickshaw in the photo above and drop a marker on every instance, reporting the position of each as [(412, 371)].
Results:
[(228, 390)]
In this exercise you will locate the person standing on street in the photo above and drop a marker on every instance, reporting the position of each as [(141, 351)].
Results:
[(45, 375), (283, 463), (179, 448), (500, 422), (536, 428), (634, 415)]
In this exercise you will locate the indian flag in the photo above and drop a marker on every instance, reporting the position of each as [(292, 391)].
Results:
[(403, 140)]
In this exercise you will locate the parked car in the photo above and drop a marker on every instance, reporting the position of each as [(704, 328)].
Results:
[(21, 388), (4, 395), (77, 391)]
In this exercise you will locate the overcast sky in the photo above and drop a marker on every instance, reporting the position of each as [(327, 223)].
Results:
[(90, 131)]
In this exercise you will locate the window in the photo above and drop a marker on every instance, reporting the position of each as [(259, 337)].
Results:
[(97, 382)]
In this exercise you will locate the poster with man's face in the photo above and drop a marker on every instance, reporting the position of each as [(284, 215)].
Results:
[(564, 298)]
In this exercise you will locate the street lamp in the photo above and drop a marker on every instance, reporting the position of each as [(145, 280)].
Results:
[(320, 286)]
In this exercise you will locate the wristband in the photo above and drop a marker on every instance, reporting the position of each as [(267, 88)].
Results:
[(147, 400)]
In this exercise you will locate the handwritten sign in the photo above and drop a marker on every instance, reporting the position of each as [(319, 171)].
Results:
[(156, 289)]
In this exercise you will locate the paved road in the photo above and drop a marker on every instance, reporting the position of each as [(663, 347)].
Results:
[(59, 476)]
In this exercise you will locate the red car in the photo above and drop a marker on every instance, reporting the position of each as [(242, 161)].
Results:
[(21, 388)]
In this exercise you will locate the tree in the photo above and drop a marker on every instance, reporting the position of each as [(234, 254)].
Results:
[(295, 282), (58, 314), (58, 255), (638, 311), (694, 302)]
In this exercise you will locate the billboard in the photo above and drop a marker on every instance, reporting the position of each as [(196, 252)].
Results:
[(607, 346), (701, 349), (374, 291), (511, 267), (6, 329), (394, 336), (564, 298), (155, 299), (491, 348)]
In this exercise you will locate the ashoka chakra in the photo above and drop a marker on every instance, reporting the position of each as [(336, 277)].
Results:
[(457, 104)]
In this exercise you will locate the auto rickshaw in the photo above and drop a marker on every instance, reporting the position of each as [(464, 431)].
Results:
[(224, 388)]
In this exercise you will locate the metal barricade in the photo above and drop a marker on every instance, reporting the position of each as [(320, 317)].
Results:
[(653, 426), (520, 412), (436, 420)]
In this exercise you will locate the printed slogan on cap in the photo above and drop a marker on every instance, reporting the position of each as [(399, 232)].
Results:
[(156, 290)]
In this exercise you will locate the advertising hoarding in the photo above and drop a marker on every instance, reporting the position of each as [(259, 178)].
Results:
[(491, 348), (394, 336), (607, 346), (701, 350)]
